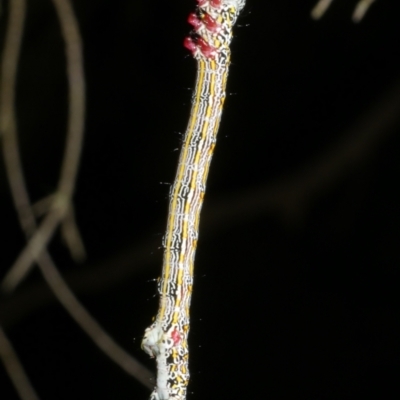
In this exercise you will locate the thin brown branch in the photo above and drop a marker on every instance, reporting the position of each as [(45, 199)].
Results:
[(72, 237), (76, 82), (60, 204), (361, 8), (90, 325), (320, 8), (69, 228), (15, 369), (40, 296), (38, 242), (65, 190), (33, 249), (87, 280), (12, 45)]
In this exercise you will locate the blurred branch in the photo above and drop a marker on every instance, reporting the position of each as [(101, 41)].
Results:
[(320, 8), (104, 341), (87, 280), (15, 370), (72, 237), (12, 45), (63, 197), (35, 247), (61, 202), (69, 228), (11, 51), (361, 8)]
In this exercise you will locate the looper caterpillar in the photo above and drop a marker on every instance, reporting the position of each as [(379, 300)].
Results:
[(166, 338)]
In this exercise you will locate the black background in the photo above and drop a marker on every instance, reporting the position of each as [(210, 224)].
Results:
[(293, 298)]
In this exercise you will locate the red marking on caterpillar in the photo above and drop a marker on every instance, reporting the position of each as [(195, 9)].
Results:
[(199, 45), (176, 336), (206, 49), (205, 20), (213, 3), (194, 21), (190, 44), (210, 23)]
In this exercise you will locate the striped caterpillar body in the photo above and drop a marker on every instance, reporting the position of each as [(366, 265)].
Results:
[(166, 338)]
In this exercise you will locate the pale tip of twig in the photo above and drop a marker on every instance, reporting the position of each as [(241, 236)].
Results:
[(15, 369), (72, 237), (319, 10), (361, 9)]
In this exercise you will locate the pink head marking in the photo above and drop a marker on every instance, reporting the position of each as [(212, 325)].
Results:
[(206, 49), (190, 44), (213, 3), (216, 3), (199, 45), (210, 23), (205, 20), (194, 21)]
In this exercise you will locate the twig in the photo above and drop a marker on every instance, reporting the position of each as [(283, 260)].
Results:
[(72, 237), (90, 325), (63, 196), (12, 44), (69, 228), (76, 81), (361, 8), (59, 208), (15, 369), (34, 248), (90, 280), (319, 9)]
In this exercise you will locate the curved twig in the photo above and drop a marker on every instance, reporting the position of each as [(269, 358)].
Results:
[(15, 369), (13, 165), (81, 316), (320, 8), (361, 8), (62, 198), (60, 204)]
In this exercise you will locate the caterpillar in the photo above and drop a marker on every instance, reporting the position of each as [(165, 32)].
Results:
[(166, 339)]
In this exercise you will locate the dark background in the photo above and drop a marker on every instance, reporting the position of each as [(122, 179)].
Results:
[(295, 282)]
